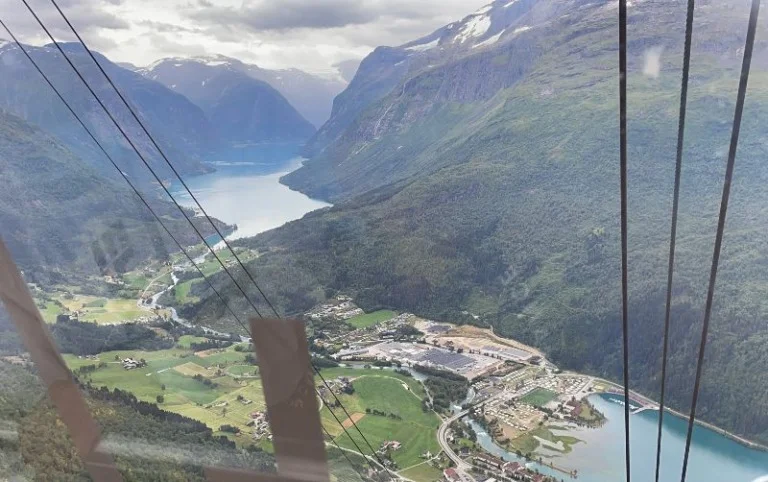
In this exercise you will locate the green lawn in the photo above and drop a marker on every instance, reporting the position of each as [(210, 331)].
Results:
[(538, 397), (210, 265), (414, 385), (416, 429), (135, 280), (182, 290), (241, 370), (185, 341), (50, 311), (527, 443), (423, 473), (225, 357), (370, 319)]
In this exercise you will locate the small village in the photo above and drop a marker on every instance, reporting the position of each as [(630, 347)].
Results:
[(524, 402)]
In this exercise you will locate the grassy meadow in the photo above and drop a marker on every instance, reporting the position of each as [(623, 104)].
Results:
[(393, 394), (171, 374), (370, 319)]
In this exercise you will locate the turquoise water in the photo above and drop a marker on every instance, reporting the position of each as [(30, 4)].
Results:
[(600, 458), (247, 191)]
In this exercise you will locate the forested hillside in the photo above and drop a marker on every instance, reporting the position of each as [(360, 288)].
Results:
[(148, 443), (60, 217), (487, 182), (178, 125)]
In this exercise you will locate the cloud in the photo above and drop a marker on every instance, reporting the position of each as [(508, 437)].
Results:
[(289, 14), (89, 18), (312, 35), (164, 27)]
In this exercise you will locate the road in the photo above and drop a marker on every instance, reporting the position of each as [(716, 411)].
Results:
[(462, 467), (371, 460)]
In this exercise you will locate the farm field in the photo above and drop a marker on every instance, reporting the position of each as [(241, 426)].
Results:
[(370, 319), (211, 398), (103, 311), (218, 387), (386, 392), (422, 472), (538, 397)]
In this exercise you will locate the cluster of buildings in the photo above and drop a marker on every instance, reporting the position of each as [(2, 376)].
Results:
[(340, 308), (388, 446), (470, 365), (501, 470), (260, 423), (130, 363), (337, 385)]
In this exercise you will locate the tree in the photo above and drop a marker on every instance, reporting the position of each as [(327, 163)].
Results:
[(160, 399), (162, 387)]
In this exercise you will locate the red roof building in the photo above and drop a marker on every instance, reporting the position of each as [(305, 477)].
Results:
[(451, 475)]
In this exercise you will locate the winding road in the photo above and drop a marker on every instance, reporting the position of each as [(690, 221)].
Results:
[(462, 467)]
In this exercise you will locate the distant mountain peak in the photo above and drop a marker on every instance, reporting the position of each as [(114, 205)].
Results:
[(310, 94)]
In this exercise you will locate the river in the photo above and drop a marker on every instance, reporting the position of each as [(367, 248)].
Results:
[(600, 457), (248, 193)]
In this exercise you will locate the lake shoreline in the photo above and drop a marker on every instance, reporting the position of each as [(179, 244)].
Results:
[(720, 431), (252, 182)]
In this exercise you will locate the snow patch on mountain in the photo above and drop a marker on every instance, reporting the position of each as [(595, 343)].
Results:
[(522, 29), (476, 26), (489, 41), (424, 47), (213, 61)]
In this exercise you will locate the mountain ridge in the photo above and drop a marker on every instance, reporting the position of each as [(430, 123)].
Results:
[(311, 95), (61, 218), (243, 110), (179, 126)]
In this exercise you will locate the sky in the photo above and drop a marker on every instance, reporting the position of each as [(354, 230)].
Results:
[(312, 35)]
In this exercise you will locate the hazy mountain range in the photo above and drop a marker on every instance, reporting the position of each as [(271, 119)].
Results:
[(240, 108), (311, 95)]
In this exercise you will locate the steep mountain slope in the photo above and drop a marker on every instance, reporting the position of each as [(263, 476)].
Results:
[(60, 217), (311, 95), (287, 96), (488, 183), (387, 67), (179, 126)]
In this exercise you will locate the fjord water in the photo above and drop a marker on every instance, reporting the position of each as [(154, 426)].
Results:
[(600, 457), (245, 190)]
